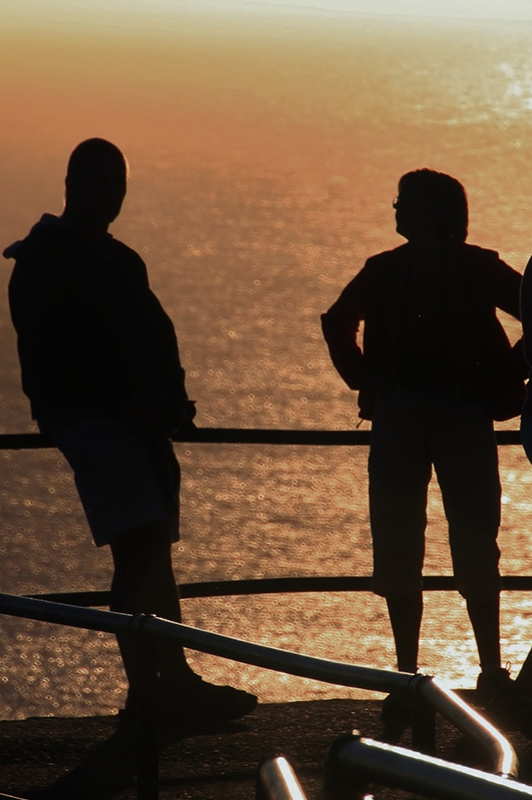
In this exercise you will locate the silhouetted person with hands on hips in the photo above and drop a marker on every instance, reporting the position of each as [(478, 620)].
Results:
[(100, 365), (435, 369)]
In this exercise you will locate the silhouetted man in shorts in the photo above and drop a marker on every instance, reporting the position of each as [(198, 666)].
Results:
[(100, 365), (425, 378)]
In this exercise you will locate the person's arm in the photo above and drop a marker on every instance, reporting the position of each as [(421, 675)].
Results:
[(156, 401), (506, 283), (340, 325), (526, 311), (507, 287)]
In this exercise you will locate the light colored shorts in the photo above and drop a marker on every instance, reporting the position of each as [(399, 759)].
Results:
[(124, 479)]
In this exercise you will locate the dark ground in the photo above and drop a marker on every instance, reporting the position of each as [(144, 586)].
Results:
[(93, 758)]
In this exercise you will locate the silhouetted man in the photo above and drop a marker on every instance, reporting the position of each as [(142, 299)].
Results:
[(100, 365), (431, 342)]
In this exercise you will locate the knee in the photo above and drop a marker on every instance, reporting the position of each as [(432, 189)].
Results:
[(139, 549)]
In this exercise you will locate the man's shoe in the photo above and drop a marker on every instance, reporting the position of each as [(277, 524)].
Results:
[(208, 702), (511, 711), (194, 702), (491, 683)]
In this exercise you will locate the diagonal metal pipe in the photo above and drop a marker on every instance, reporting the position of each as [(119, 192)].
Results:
[(472, 724), (353, 762)]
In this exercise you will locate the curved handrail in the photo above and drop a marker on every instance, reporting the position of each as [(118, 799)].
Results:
[(472, 724), (334, 672), (253, 586)]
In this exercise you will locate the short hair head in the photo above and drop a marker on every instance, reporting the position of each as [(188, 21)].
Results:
[(96, 156), (447, 199), (96, 179)]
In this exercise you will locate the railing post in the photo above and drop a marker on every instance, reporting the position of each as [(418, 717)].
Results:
[(146, 722), (423, 722)]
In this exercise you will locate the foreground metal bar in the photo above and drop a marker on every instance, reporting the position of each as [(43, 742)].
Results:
[(276, 780), (320, 669), (472, 724), (334, 672), (10, 797), (353, 762), (36, 441), (62, 614), (503, 756)]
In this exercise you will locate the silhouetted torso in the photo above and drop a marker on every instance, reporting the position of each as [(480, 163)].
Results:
[(90, 331)]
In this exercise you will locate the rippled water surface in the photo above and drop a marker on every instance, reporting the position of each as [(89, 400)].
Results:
[(263, 167)]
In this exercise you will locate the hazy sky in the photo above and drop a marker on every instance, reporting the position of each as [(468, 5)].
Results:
[(32, 11), (487, 9)]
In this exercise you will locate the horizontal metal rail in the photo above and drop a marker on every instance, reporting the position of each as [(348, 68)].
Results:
[(334, 672), (253, 586), (354, 762), (36, 441)]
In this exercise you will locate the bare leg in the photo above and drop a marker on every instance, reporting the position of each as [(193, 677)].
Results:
[(144, 582), (405, 616), (485, 622)]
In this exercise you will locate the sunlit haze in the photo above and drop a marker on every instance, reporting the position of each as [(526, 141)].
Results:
[(53, 13)]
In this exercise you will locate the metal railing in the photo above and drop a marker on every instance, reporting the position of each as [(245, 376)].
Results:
[(276, 436), (148, 629), (10, 797), (276, 780), (33, 441), (252, 586), (354, 762)]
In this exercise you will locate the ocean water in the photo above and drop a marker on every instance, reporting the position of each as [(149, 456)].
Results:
[(264, 160)]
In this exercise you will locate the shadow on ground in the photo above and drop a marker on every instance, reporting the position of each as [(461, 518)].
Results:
[(94, 758)]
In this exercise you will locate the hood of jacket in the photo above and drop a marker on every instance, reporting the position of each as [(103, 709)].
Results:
[(13, 250)]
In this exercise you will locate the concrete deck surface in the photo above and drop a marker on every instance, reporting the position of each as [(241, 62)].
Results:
[(93, 758)]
